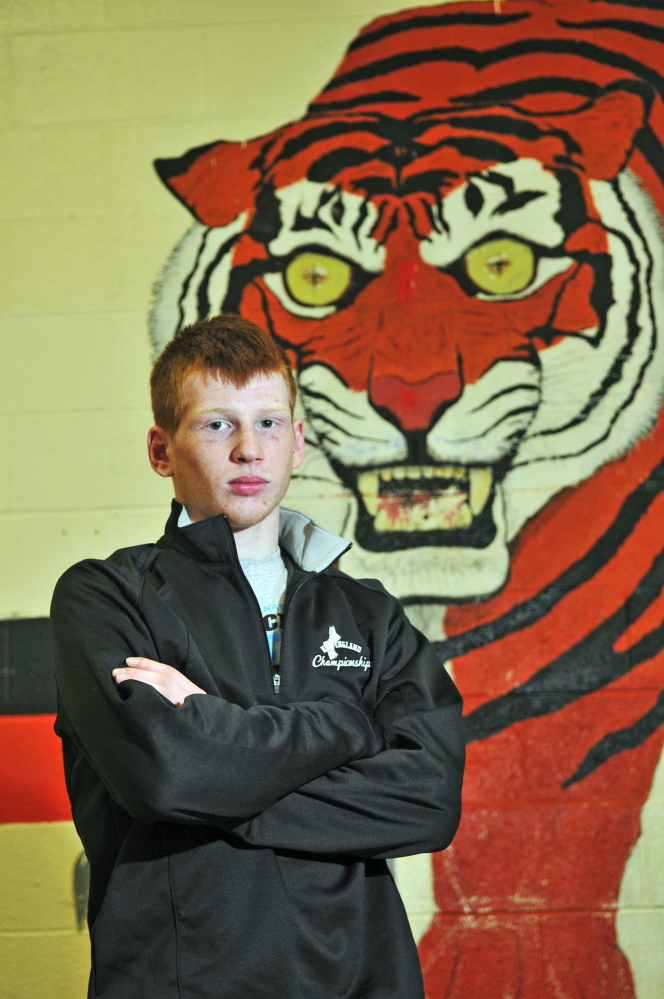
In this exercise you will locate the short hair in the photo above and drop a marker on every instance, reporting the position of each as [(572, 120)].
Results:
[(228, 344)]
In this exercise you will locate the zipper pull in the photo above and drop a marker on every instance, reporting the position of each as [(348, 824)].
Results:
[(276, 680)]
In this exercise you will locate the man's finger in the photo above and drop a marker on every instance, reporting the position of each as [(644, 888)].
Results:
[(134, 673), (140, 662)]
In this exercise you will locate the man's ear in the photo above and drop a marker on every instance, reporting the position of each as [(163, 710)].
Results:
[(298, 445), (158, 452)]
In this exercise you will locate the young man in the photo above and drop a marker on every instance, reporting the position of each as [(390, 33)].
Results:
[(237, 796)]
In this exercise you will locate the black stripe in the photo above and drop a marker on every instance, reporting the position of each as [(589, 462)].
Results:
[(519, 387), (177, 165), (526, 88), (382, 96), (187, 280), (479, 148), (321, 133), (332, 163), (523, 615), (613, 376), (434, 21), (648, 144), (588, 666), (648, 31), (499, 125), (480, 60), (202, 294), (27, 677), (639, 4), (616, 742)]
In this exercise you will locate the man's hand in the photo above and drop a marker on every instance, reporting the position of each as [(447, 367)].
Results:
[(167, 680)]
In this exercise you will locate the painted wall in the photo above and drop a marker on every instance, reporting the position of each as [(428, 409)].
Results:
[(92, 93)]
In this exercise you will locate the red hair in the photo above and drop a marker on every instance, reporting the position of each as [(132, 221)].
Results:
[(227, 344)]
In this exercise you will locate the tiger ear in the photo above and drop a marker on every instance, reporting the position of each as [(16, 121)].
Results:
[(216, 182), (604, 131)]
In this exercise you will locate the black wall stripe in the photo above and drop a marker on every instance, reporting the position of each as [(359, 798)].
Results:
[(647, 31), (379, 97), (630, 737), (588, 666), (27, 683), (435, 21), (479, 60), (530, 611)]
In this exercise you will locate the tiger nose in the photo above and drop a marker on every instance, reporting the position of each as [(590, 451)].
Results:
[(414, 403)]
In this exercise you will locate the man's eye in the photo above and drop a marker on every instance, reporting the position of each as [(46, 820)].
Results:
[(215, 425), (268, 424)]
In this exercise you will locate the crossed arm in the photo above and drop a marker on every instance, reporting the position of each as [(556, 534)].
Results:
[(318, 777), (172, 684)]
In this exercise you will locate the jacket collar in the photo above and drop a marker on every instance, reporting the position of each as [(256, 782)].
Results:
[(311, 547)]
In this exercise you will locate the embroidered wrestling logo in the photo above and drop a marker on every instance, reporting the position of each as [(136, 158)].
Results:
[(331, 656)]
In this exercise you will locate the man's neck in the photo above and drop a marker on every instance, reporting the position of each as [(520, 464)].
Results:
[(260, 539), (251, 542)]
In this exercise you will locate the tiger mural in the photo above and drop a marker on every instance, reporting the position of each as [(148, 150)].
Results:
[(460, 247)]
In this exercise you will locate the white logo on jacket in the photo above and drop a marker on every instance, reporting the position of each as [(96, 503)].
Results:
[(331, 657)]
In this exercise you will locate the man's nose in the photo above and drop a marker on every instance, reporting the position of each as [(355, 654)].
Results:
[(247, 446)]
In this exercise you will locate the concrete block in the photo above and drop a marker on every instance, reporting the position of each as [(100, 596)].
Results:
[(82, 460), (90, 264), (107, 75), (52, 173), (80, 361), (51, 15), (36, 871), (124, 12), (5, 97), (643, 880), (291, 72), (55, 964), (6, 267), (38, 547), (6, 435), (640, 935)]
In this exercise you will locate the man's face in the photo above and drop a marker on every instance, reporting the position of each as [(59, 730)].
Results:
[(234, 449)]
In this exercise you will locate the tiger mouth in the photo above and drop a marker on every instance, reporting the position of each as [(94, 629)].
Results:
[(414, 498)]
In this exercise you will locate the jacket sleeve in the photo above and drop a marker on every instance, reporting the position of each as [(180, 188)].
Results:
[(407, 798), (200, 763)]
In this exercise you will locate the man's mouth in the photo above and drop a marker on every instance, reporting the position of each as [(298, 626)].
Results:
[(247, 485), (409, 499)]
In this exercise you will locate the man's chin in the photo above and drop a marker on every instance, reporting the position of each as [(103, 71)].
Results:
[(245, 512)]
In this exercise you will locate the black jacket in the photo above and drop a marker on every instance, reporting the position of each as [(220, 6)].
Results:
[(237, 843)]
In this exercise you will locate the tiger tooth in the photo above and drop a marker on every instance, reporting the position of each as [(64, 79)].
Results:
[(386, 475), (481, 480), (367, 484), (428, 472), (464, 517), (413, 472)]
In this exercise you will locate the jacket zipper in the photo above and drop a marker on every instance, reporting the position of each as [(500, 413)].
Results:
[(274, 673), (276, 678)]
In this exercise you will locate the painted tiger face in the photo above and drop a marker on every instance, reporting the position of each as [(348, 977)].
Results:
[(470, 299)]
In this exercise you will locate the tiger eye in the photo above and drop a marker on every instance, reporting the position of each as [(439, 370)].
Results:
[(501, 266), (317, 278)]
